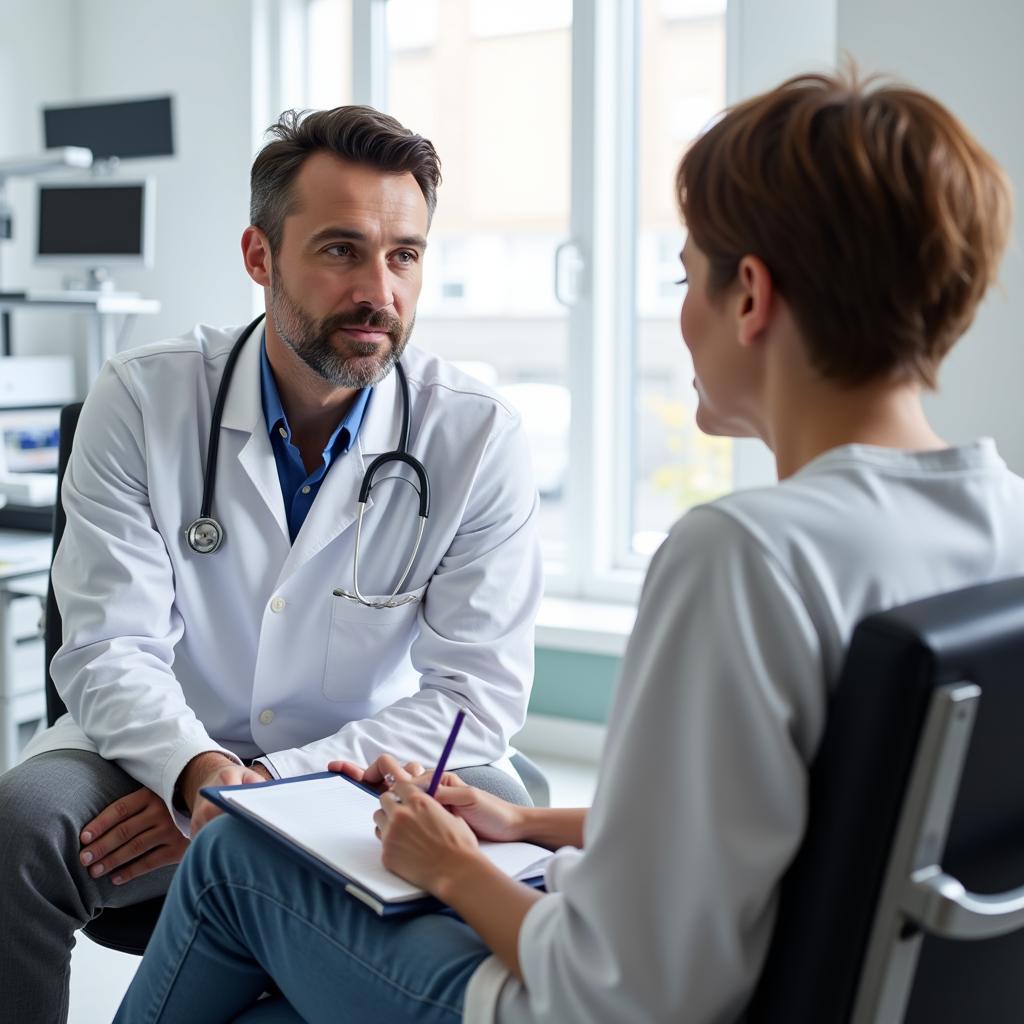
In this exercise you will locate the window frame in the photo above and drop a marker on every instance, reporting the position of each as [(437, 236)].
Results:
[(600, 564)]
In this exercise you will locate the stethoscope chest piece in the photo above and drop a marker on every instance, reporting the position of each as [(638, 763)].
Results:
[(205, 535)]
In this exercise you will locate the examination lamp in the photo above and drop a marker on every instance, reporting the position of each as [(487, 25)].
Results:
[(31, 166), (50, 159), (58, 159)]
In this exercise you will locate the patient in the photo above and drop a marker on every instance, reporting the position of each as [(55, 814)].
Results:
[(840, 236)]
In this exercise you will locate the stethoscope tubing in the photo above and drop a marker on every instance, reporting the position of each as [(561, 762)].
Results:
[(213, 445), (205, 535)]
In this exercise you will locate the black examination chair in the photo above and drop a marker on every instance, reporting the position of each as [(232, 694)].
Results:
[(906, 900)]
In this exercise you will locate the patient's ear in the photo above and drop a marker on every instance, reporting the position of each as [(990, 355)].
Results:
[(755, 300)]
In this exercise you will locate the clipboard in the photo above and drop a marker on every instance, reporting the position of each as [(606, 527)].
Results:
[(325, 820)]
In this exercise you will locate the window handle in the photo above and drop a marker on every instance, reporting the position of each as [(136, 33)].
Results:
[(569, 267)]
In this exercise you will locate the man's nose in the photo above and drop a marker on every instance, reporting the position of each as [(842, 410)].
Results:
[(372, 286)]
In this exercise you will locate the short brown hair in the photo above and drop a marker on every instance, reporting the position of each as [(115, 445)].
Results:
[(360, 135), (880, 218)]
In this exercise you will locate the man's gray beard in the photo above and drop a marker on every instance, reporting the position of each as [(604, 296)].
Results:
[(314, 347), (336, 369)]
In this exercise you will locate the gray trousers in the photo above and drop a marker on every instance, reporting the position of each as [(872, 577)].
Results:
[(46, 895)]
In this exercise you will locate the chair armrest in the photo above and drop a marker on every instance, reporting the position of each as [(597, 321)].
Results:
[(941, 905)]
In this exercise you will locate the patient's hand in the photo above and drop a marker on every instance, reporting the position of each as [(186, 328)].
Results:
[(380, 776), (420, 840), (131, 837), (487, 815)]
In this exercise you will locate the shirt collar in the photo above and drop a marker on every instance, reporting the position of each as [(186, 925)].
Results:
[(274, 414), (273, 411)]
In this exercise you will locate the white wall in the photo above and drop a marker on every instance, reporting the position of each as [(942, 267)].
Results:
[(773, 39), (57, 51), (37, 59), (768, 41), (201, 52), (967, 55)]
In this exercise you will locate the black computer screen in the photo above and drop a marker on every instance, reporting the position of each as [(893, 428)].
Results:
[(135, 128), (88, 220)]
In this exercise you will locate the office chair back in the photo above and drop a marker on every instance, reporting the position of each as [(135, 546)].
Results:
[(52, 636), (126, 929), (945, 670)]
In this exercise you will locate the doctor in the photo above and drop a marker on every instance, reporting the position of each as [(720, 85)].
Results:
[(237, 649)]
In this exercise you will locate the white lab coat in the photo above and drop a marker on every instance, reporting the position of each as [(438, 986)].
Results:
[(168, 653)]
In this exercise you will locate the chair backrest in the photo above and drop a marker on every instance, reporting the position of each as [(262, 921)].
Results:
[(53, 627), (859, 805)]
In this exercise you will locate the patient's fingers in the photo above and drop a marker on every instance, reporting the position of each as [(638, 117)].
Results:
[(353, 771), (382, 774), (384, 765), (447, 779)]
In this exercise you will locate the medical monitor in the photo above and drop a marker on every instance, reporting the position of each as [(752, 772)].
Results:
[(29, 440), (127, 129), (98, 223)]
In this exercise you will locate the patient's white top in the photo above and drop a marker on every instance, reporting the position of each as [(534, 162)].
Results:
[(745, 615)]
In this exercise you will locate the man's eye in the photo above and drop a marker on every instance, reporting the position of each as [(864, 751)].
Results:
[(339, 250), (406, 256)]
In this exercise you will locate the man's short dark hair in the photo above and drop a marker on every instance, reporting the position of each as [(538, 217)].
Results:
[(360, 135)]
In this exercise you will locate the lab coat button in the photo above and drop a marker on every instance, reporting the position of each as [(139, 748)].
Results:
[(266, 717), (305, 490), (277, 605)]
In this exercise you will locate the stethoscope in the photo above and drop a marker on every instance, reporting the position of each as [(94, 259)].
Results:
[(205, 535)]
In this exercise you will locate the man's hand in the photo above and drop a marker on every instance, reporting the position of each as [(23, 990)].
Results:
[(382, 774), (213, 769), (131, 837)]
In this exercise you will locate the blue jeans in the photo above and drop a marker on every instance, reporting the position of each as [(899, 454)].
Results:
[(242, 916)]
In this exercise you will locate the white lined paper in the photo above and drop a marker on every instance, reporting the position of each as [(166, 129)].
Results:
[(332, 820)]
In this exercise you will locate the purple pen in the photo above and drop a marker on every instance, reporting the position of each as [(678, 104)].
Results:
[(439, 770)]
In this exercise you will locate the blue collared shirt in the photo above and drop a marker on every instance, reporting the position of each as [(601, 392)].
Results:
[(298, 487)]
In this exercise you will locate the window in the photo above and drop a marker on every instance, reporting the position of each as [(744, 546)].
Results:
[(488, 303), (329, 54), (553, 264), (412, 24), (681, 78), (488, 18)]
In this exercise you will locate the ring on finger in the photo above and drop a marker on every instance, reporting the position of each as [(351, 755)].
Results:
[(389, 778)]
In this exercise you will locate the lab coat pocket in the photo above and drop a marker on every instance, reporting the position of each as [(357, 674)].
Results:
[(367, 646)]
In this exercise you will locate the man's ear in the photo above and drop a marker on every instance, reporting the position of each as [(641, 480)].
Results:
[(755, 300), (256, 256)]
